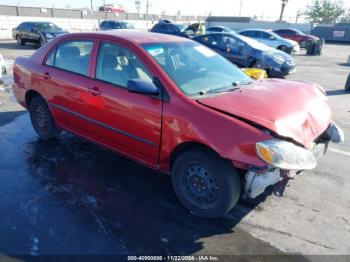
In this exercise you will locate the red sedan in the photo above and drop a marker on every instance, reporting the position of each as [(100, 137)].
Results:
[(296, 35), (178, 107)]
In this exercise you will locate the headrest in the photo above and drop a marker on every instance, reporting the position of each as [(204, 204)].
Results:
[(69, 52)]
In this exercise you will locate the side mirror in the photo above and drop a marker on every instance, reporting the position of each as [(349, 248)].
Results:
[(142, 87)]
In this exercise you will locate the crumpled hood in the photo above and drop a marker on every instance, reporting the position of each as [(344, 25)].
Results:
[(295, 110)]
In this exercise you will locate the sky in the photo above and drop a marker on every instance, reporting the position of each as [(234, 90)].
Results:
[(265, 9)]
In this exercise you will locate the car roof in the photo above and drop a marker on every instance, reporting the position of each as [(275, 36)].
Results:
[(218, 26), (131, 36), (292, 29), (252, 29)]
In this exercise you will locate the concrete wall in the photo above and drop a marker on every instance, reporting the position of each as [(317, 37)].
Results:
[(85, 20)]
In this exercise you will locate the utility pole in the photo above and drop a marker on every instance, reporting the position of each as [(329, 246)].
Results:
[(284, 3), (240, 8), (299, 14), (147, 7), (138, 6), (91, 4)]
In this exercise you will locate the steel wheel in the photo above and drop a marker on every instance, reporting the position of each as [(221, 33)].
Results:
[(42, 120), (205, 183), (40, 117), (201, 187)]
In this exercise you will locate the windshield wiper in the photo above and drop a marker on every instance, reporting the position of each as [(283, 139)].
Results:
[(232, 87)]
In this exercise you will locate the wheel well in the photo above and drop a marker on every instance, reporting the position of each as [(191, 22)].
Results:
[(30, 95), (179, 149)]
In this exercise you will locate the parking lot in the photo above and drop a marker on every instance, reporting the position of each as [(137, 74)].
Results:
[(69, 196)]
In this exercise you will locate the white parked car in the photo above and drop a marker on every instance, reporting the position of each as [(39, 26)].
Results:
[(272, 39)]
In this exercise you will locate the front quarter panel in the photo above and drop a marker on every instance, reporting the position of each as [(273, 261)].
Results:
[(189, 121)]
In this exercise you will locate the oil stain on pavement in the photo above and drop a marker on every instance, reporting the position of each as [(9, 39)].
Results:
[(69, 196)]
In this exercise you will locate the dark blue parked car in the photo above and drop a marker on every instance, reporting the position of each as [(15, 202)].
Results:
[(246, 52), (167, 27), (112, 24)]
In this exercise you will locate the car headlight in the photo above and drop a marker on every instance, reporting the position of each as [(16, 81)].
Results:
[(278, 59), (285, 155)]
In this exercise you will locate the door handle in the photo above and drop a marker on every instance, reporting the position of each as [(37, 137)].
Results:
[(47, 75), (95, 91)]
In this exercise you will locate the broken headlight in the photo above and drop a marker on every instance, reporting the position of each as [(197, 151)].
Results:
[(285, 155)]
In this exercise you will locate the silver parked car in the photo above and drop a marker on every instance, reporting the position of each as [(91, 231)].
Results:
[(272, 39)]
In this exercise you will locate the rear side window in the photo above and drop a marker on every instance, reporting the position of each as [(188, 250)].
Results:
[(117, 65), (72, 56), (254, 34)]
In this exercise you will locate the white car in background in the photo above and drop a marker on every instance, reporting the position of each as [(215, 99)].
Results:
[(272, 39)]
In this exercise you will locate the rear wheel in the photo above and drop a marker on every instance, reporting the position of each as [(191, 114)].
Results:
[(19, 40), (41, 119), (206, 184)]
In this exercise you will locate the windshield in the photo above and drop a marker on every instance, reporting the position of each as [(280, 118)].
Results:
[(254, 43), (181, 27), (274, 34), (46, 26), (127, 26), (196, 69), (299, 32)]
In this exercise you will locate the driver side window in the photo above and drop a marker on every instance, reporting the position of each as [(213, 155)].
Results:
[(117, 65)]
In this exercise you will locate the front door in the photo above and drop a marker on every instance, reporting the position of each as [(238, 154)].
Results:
[(233, 49), (127, 122)]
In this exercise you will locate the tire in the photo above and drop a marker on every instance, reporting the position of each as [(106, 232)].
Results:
[(347, 85), (19, 40), (283, 48), (204, 183), (41, 119), (42, 41)]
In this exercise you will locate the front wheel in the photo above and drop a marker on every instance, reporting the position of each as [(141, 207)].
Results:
[(283, 48), (302, 44), (206, 184), (41, 119), (42, 41), (19, 40)]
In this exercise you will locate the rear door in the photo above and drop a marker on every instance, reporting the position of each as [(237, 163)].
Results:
[(124, 121), (64, 79)]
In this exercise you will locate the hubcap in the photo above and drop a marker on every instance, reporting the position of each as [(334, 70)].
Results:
[(201, 186), (41, 118)]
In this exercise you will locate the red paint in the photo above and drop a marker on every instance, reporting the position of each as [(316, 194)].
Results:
[(295, 110), (298, 37)]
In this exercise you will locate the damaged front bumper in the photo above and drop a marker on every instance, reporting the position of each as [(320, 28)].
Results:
[(257, 180)]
